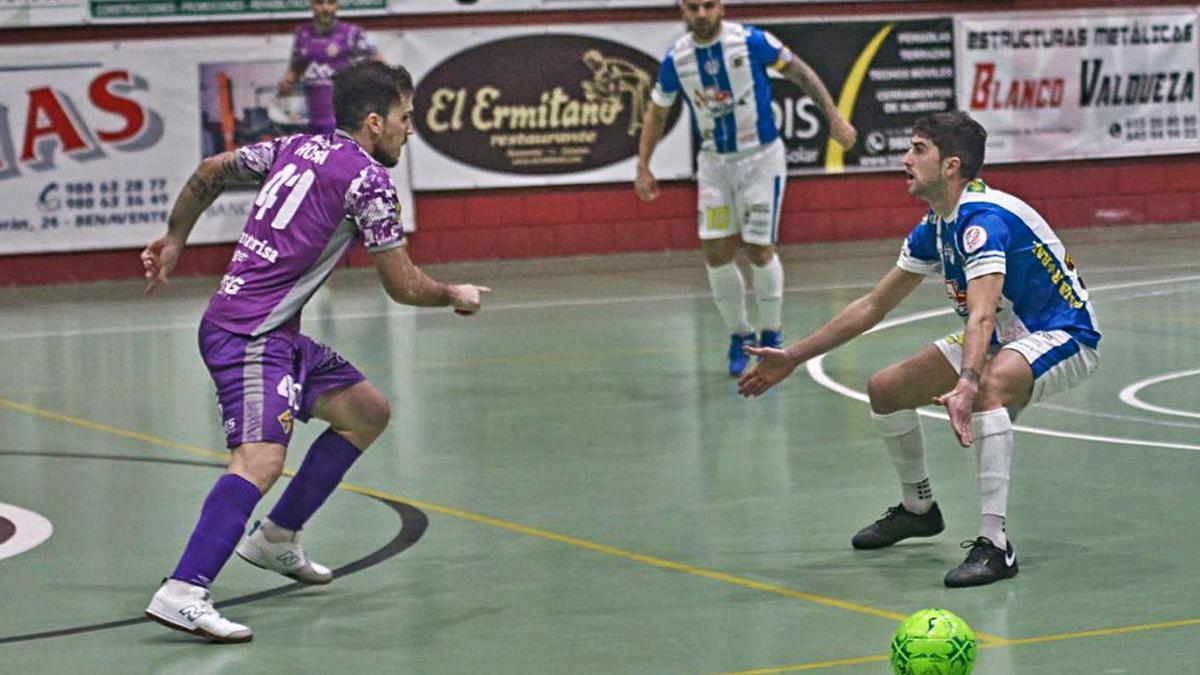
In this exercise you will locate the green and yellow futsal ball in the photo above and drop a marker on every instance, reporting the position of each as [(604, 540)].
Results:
[(933, 642)]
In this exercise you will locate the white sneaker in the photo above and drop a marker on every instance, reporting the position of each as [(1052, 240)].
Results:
[(286, 557), (193, 612)]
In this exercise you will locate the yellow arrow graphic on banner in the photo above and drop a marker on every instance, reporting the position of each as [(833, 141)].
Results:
[(835, 155)]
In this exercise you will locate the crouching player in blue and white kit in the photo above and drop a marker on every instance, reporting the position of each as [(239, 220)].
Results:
[(721, 68), (1030, 332)]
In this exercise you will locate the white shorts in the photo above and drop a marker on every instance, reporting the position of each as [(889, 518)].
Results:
[(1059, 362), (742, 193)]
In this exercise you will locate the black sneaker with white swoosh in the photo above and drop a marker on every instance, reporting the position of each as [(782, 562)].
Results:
[(985, 564)]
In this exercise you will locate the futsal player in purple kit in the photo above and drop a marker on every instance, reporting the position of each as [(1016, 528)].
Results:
[(319, 194), (320, 50)]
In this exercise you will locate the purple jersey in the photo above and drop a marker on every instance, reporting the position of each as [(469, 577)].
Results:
[(319, 194), (319, 57)]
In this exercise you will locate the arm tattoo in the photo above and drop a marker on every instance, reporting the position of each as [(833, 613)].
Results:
[(811, 83), (204, 189), (971, 375)]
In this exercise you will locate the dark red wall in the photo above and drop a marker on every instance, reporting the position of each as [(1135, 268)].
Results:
[(575, 220)]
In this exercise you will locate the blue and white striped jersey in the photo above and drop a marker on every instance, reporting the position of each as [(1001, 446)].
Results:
[(725, 84), (994, 232)]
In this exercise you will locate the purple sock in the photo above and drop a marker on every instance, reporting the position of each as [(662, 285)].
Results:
[(222, 522), (327, 461)]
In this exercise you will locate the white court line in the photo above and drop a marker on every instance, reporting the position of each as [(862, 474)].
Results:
[(32, 530), (403, 310), (1129, 394), (816, 370), (1158, 422)]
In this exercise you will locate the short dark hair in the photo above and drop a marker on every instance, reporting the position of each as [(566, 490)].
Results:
[(365, 88), (955, 134)]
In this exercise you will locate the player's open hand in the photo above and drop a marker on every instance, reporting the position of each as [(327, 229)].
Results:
[(158, 259), (960, 404), (843, 132), (466, 299), (774, 367), (645, 184)]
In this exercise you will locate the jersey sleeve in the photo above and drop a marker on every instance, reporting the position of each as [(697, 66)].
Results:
[(667, 87), (361, 47), (372, 202), (767, 49), (919, 253), (983, 241), (297, 57), (255, 160)]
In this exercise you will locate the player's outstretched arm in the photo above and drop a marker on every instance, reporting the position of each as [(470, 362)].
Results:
[(807, 79), (206, 183), (854, 320), (653, 124), (405, 283)]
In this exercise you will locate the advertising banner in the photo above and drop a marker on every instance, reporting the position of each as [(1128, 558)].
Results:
[(223, 10), (883, 75), (451, 6), (25, 13), (1075, 86), (97, 139), (513, 106)]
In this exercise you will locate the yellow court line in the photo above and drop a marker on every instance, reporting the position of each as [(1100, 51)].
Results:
[(1040, 639), (653, 561), (986, 641), (1101, 632), (798, 667)]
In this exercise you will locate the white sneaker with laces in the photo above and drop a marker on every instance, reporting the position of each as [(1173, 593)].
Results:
[(192, 612), (286, 557)]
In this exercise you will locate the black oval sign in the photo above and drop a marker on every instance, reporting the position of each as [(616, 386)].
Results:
[(538, 104)]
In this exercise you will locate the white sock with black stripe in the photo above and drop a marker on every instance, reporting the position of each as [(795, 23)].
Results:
[(905, 443)]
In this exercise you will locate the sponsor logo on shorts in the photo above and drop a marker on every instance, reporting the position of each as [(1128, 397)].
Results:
[(290, 389), (230, 425), (230, 285), (716, 218)]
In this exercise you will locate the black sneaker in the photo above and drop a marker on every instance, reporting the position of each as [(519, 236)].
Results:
[(899, 523), (985, 564)]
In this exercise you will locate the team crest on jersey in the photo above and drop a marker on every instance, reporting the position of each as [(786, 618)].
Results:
[(974, 238), (331, 50), (977, 185), (712, 67), (285, 421)]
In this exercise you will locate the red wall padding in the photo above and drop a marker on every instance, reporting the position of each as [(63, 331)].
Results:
[(576, 220)]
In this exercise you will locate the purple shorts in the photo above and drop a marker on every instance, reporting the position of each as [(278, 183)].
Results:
[(265, 383)]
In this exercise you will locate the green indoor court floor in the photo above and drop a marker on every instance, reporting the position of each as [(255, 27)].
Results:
[(570, 483)]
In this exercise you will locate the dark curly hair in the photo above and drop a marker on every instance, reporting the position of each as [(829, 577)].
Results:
[(365, 88), (955, 134)]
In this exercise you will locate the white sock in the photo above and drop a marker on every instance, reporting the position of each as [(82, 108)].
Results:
[(276, 534), (768, 286), (179, 588), (993, 453), (905, 443), (729, 292)]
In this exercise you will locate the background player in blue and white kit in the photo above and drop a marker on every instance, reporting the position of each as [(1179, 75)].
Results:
[(721, 69), (320, 194), (1030, 332)]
